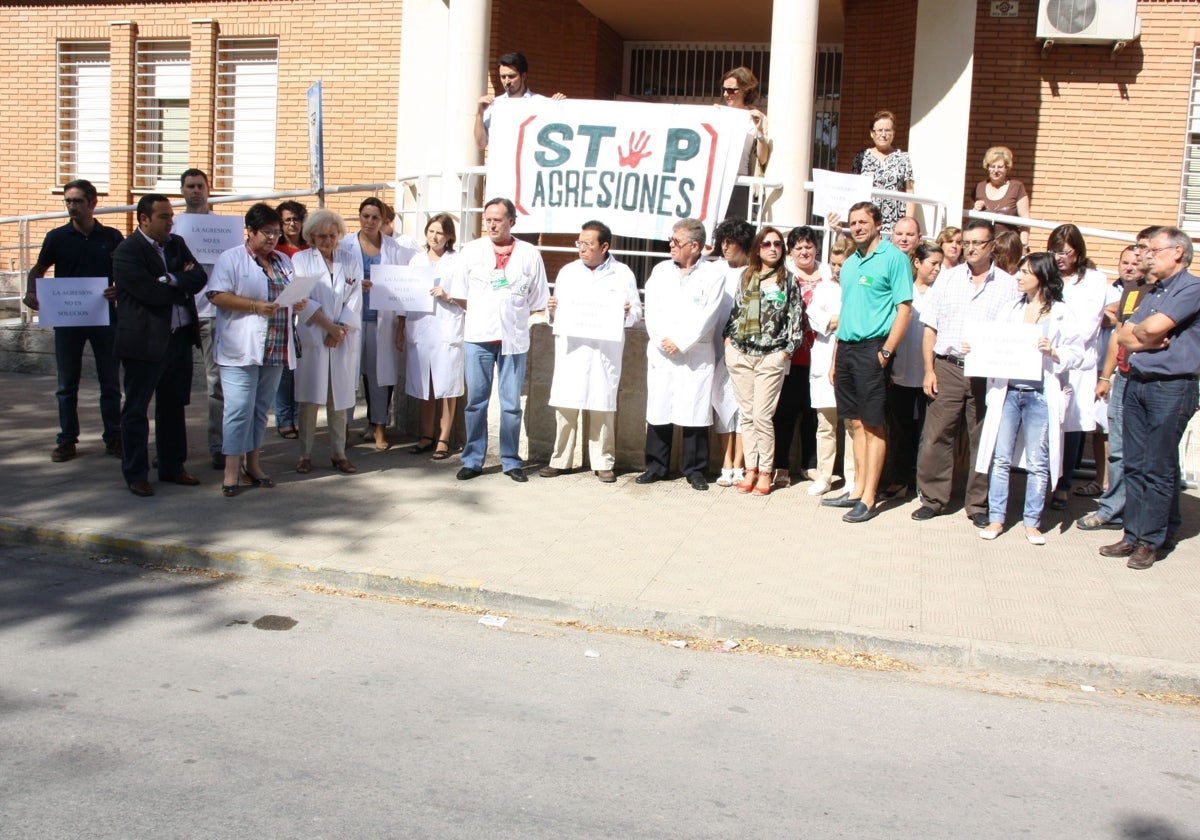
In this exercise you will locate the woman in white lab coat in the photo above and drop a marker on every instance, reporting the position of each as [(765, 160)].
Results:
[(329, 340), (1023, 423), (434, 363), (380, 358)]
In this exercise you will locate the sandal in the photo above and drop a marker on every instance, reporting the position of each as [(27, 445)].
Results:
[(304, 466), (748, 481), (265, 481), (1091, 489), (289, 432), (441, 454), (1058, 501), (783, 479), (343, 465), (382, 444), (229, 490), (419, 449), (763, 487)]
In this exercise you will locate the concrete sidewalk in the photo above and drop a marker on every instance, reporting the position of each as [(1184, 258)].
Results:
[(780, 569)]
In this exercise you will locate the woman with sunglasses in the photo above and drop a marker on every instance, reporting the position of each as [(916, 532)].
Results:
[(739, 89), (764, 327)]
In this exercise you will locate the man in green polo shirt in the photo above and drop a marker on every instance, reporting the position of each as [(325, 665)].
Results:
[(877, 289)]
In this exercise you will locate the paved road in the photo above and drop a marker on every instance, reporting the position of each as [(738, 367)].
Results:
[(148, 704)]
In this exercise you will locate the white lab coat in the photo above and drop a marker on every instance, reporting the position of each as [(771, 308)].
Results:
[(241, 337), (434, 341), (387, 357), (500, 301), (340, 297), (587, 372), (1063, 332), (1085, 301), (826, 304), (724, 403), (685, 310)]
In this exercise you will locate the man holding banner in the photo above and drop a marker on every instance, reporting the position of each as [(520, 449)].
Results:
[(595, 299), (683, 300), (501, 282), (81, 248)]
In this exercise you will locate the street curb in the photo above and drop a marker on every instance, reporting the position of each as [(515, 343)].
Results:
[(1025, 661)]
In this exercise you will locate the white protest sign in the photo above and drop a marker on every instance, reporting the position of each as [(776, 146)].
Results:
[(1004, 351), (595, 313), (837, 192), (639, 166), (402, 288), (208, 235), (298, 289), (72, 302)]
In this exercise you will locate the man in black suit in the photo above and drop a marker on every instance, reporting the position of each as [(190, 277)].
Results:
[(156, 277)]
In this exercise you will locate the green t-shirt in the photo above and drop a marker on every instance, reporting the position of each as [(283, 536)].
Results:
[(872, 287)]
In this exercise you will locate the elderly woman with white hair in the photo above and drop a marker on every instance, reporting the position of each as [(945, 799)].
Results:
[(329, 346)]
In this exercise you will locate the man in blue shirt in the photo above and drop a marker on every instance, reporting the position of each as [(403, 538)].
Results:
[(81, 248)]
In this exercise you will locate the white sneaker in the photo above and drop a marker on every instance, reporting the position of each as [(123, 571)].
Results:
[(739, 475), (812, 475), (726, 479), (818, 487)]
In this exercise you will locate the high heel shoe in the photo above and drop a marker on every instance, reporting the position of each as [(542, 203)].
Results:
[(265, 481), (763, 487), (748, 482)]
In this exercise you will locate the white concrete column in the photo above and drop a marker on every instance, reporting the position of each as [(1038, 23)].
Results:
[(467, 68), (790, 118), (943, 60)]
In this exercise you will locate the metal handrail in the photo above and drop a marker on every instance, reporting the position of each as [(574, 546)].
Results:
[(1043, 224)]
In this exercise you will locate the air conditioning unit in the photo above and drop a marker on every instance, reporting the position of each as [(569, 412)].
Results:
[(1088, 21)]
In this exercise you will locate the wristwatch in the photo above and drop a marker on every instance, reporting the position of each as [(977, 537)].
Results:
[(887, 354)]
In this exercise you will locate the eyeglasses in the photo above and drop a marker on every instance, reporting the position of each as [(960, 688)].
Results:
[(1064, 254), (270, 234), (678, 243), (731, 91), (883, 131), (1154, 251), (292, 221), (976, 245), (771, 243), (580, 245), (73, 201)]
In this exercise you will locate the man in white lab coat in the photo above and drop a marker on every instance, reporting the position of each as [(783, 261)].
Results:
[(683, 298), (587, 369)]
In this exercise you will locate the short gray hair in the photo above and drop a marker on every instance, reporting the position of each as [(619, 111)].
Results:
[(320, 219), (694, 229), (1178, 237)]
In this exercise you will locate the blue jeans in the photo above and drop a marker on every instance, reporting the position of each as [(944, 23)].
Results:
[(1156, 414), (68, 357), (287, 411), (249, 391), (1022, 410), (482, 360), (1112, 501)]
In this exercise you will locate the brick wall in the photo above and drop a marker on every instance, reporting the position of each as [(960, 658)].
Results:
[(877, 68), (352, 45), (1097, 139)]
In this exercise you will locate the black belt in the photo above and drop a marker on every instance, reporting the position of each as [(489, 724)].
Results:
[(954, 360), (1137, 376)]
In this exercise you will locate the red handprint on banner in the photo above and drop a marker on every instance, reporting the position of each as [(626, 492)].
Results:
[(637, 150)]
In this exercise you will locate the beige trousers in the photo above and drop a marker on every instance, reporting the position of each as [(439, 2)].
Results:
[(601, 427), (337, 427), (827, 432), (757, 381)]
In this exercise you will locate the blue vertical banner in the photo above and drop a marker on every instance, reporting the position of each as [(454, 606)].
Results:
[(316, 145)]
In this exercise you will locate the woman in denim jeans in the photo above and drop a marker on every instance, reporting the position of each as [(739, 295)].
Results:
[(1023, 424)]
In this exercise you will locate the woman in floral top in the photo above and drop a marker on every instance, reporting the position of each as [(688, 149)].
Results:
[(889, 168), (761, 335)]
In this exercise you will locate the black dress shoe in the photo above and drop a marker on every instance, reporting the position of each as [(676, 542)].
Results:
[(517, 474), (860, 513), (467, 473), (648, 478), (141, 488), (979, 520), (842, 501), (924, 513), (1143, 557), (698, 482)]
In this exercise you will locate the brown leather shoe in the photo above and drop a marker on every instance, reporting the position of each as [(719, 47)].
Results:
[(183, 477), (63, 452), (141, 488), (1143, 557), (550, 472), (1117, 549), (606, 476)]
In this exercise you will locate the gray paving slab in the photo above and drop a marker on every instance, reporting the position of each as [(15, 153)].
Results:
[(781, 569)]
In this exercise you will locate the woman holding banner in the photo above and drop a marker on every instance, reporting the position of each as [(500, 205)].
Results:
[(329, 360), (380, 359), (434, 363), (739, 89), (1031, 407)]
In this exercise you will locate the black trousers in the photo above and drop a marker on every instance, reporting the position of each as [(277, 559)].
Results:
[(693, 458), (169, 383), (795, 403)]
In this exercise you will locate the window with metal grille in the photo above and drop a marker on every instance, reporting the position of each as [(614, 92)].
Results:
[(247, 90), (163, 95), (1189, 199), (84, 108)]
